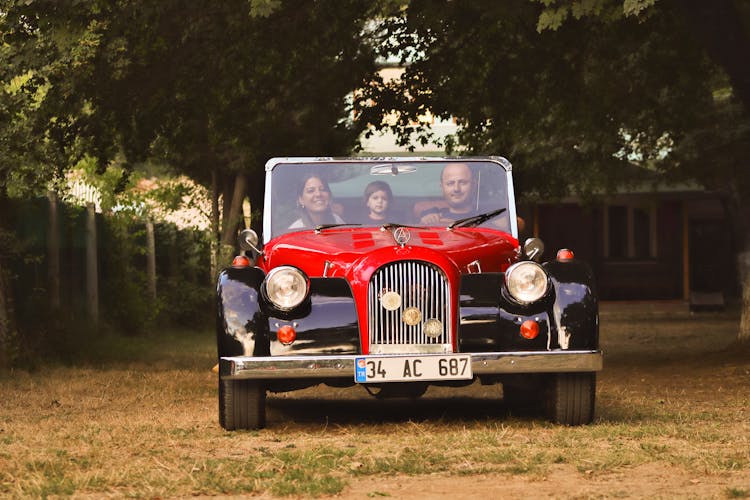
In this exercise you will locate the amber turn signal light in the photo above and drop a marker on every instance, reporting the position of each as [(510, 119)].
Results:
[(529, 329), (564, 254), (286, 334), (240, 261)]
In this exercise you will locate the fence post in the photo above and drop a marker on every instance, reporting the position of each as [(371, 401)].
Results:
[(151, 259), (92, 275), (53, 253), (6, 313), (215, 235)]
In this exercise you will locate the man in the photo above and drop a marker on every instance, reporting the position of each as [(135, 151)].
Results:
[(459, 192), (459, 187)]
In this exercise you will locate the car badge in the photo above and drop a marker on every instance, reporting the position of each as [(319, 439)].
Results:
[(401, 235)]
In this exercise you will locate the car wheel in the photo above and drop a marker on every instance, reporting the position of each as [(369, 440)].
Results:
[(570, 398), (242, 404)]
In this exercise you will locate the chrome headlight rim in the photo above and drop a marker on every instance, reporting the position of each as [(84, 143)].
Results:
[(278, 293), (513, 282)]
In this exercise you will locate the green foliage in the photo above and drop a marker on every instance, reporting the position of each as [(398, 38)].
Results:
[(556, 12), (263, 8), (207, 88), (204, 86), (552, 18), (23, 171), (184, 286), (635, 7), (560, 103), (123, 282)]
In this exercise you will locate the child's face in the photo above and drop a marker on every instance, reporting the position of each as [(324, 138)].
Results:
[(377, 202)]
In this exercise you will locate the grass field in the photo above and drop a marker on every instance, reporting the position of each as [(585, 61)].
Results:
[(136, 417)]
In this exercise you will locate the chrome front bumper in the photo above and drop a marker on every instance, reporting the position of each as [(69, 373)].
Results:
[(482, 363)]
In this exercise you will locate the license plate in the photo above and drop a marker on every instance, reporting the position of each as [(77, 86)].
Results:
[(368, 369)]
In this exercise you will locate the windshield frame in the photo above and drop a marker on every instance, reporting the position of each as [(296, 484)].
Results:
[(273, 163)]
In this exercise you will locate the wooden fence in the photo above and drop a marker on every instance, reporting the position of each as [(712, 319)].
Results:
[(87, 266)]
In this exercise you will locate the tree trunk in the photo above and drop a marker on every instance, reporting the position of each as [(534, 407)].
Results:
[(214, 224), (232, 219), (53, 253), (255, 191), (7, 325), (739, 215), (744, 270), (151, 259), (92, 274), (743, 267)]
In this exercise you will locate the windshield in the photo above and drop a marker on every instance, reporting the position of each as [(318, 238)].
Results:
[(304, 195)]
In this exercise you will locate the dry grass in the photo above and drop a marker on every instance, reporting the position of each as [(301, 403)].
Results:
[(149, 429)]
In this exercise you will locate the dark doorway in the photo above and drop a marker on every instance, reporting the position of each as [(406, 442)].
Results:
[(710, 263)]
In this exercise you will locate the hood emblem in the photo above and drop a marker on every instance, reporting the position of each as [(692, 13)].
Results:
[(401, 235)]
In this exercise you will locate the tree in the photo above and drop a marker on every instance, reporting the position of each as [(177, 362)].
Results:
[(569, 88), (722, 137), (212, 88), (24, 161), (209, 87)]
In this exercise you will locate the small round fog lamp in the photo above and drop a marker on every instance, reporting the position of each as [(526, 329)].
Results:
[(390, 301), (433, 328), (411, 316)]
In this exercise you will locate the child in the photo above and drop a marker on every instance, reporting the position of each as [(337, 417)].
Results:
[(378, 196)]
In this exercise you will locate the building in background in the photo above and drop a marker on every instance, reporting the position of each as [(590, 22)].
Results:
[(643, 245)]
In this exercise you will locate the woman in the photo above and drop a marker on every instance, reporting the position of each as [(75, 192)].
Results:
[(314, 202)]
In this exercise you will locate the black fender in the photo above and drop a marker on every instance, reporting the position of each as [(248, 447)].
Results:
[(489, 321), (567, 316), (575, 311), (326, 322), (241, 326)]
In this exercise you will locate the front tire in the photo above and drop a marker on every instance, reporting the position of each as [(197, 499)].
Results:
[(242, 404), (571, 398)]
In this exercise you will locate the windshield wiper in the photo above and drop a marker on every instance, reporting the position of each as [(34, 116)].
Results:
[(329, 226), (475, 220), (391, 225)]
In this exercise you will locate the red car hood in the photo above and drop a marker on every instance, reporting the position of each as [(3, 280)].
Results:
[(356, 252)]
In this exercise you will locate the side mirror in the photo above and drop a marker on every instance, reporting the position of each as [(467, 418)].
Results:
[(248, 240), (533, 248)]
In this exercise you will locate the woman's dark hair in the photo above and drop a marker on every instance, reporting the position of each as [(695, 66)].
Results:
[(303, 183), (376, 186)]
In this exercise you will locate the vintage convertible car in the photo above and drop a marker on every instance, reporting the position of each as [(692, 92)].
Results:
[(397, 274)]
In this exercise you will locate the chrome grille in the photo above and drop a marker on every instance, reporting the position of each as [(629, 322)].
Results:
[(420, 285)]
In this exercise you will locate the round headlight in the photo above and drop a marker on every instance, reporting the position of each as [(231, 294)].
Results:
[(286, 287), (526, 282)]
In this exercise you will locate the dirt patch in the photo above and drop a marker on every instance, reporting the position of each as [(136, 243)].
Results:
[(561, 481)]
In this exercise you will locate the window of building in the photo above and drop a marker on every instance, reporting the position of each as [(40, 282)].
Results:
[(630, 232)]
